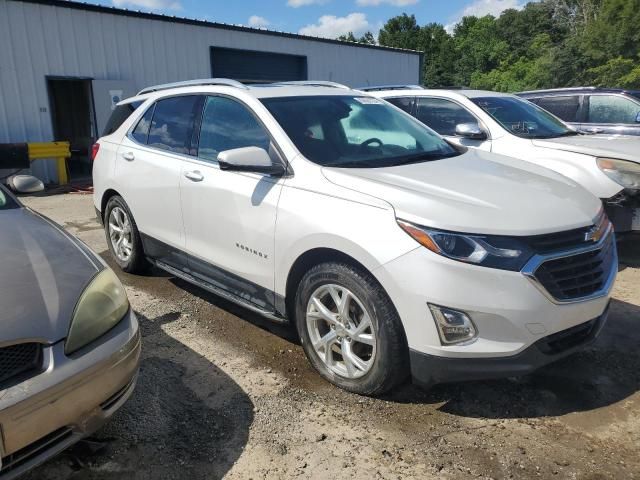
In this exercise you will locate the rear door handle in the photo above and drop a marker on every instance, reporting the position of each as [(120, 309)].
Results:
[(129, 156), (194, 176)]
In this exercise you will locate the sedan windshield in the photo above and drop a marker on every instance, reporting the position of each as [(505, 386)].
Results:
[(523, 118), (6, 202), (356, 132)]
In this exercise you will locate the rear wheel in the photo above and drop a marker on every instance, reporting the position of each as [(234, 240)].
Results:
[(123, 237), (350, 330)]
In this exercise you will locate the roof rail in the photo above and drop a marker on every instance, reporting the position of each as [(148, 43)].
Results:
[(315, 83), (194, 83), (379, 88), (565, 89)]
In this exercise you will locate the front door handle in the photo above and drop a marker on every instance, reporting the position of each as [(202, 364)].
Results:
[(194, 176), (129, 156)]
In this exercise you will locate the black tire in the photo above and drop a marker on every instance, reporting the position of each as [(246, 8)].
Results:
[(390, 365), (137, 262)]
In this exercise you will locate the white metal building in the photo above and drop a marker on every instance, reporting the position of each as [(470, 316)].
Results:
[(63, 65)]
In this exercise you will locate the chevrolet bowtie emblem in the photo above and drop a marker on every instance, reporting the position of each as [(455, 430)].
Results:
[(595, 234)]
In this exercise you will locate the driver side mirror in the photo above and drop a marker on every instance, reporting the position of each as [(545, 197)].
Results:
[(471, 131), (249, 159), (638, 118)]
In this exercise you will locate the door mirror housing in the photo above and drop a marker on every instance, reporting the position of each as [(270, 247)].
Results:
[(249, 159), (471, 131), (638, 118)]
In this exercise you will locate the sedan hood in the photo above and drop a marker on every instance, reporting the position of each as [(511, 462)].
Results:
[(610, 146), (44, 271), (476, 192)]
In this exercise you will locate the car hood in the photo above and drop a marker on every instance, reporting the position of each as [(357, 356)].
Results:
[(44, 271), (611, 146), (476, 192)]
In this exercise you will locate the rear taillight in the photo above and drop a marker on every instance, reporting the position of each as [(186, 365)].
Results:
[(94, 151)]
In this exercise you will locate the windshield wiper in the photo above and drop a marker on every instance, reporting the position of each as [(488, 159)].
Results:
[(423, 157), (569, 133)]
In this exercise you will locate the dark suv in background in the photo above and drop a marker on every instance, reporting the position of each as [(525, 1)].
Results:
[(592, 109)]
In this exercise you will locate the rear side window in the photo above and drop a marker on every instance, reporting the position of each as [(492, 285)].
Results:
[(612, 109), (119, 116), (404, 103), (564, 107), (443, 115), (227, 124), (141, 132), (173, 123)]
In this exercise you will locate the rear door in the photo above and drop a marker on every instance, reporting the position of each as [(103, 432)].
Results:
[(613, 114), (148, 169), (443, 115), (230, 217)]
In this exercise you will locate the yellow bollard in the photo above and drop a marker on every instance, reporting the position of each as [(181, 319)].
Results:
[(58, 150)]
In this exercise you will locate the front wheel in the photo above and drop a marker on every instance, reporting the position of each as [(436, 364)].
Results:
[(350, 330)]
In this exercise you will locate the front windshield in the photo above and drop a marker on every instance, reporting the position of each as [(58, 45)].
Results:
[(356, 132), (523, 118), (5, 201)]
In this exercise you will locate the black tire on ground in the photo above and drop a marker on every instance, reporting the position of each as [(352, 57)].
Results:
[(136, 263), (391, 362)]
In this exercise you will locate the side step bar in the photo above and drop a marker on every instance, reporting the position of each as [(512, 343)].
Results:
[(219, 292)]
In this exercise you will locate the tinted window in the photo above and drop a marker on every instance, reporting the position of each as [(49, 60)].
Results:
[(355, 132), (405, 103), (523, 118), (172, 124), (612, 109), (227, 124), (119, 116), (565, 107), (442, 115), (141, 132), (6, 202)]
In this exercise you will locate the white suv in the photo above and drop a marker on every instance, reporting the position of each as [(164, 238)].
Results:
[(391, 251), (606, 165)]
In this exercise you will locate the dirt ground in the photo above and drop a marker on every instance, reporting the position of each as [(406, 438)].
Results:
[(223, 393)]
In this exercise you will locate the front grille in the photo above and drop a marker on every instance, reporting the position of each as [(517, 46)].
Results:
[(50, 442), (554, 242), (19, 361), (580, 275)]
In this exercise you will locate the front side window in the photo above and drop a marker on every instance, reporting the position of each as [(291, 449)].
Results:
[(564, 107), (227, 124), (612, 109), (523, 118), (404, 103), (443, 115), (173, 122), (355, 131), (6, 202)]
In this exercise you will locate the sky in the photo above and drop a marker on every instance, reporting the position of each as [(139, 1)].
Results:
[(323, 18)]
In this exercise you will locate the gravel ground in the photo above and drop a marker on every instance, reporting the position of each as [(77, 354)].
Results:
[(223, 393)]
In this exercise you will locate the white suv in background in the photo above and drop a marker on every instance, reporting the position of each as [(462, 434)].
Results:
[(606, 165), (391, 251)]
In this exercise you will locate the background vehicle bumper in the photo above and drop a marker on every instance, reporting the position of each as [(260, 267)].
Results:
[(428, 370), (70, 399)]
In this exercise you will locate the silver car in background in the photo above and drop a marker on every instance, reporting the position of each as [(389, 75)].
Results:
[(69, 341)]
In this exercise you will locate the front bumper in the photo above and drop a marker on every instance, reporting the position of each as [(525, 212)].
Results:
[(427, 370), (69, 400)]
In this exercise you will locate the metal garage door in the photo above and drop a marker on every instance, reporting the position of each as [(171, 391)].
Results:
[(253, 66)]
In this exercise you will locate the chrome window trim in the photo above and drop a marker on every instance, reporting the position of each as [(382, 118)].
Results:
[(537, 260)]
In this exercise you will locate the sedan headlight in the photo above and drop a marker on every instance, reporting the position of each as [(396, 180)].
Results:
[(505, 253), (622, 172), (101, 307)]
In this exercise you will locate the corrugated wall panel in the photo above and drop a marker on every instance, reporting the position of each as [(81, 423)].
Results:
[(37, 41)]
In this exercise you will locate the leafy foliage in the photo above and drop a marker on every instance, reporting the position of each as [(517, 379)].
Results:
[(550, 43)]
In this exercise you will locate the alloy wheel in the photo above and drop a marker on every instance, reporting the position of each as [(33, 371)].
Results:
[(120, 234)]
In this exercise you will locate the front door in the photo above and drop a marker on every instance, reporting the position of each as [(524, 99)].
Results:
[(443, 115), (230, 217)]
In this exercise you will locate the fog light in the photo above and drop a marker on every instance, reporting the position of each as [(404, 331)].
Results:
[(453, 326)]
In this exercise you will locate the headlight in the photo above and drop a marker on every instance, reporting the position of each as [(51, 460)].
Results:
[(505, 253), (101, 307), (622, 172)]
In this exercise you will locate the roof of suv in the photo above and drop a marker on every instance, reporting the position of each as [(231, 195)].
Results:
[(555, 91), (423, 92)]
